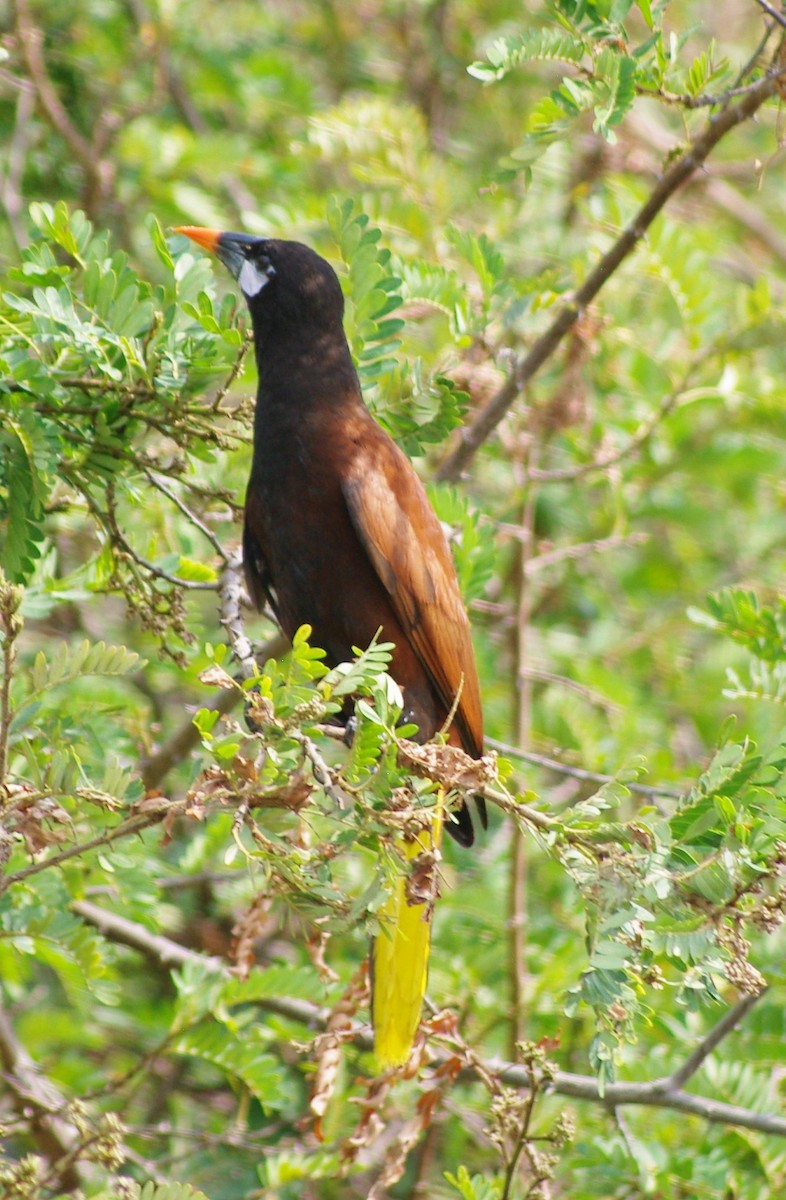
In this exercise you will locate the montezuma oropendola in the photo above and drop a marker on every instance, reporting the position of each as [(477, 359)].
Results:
[(339, 535)]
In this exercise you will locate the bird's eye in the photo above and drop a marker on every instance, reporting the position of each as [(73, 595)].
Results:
[(254, 274)]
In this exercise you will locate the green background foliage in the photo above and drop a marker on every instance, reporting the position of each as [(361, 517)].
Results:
[(620, 538)]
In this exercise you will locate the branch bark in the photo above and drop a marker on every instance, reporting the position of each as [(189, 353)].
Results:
[(560, 768), (666, 1092), (716, 1035), (232, 590), (163, 950), (518, 911), (36, 1098), (716, 128), (21, 138), (99, 172)]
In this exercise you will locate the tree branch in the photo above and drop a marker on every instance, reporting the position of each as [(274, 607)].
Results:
[(17, 158), (772, 12), (162, 486), (131, 825), (110, 522), (178, 747), (41, 1103), (232, 590), (657, 1093), (553, 764), (581, 549), (716, 128), (155, 946), (11, 627), (653, 1094), (99, 172), (716, 1035), (162, 949)]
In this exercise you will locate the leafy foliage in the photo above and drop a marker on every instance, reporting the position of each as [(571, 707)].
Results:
[(187, 892)]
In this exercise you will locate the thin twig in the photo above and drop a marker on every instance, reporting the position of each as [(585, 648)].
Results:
[(625, 1133), (85, 383), (561, 768), (738, 88), (521, 1139), (109, 519), (191, 585), (319, 767), (98, 172), (719, 191), (37, 1098), (716, 128), (686, 100), (132, 825), (11, 624), (518, 850), (707, 100), (517, 808), (178, 747), (17, 158), (581, 549), (237, 366), (772, 12), (538, 675), (730, 1018), (639, 439), (163, 487), (751, 63)]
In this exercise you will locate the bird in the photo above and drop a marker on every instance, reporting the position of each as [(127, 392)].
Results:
[(339, 534)]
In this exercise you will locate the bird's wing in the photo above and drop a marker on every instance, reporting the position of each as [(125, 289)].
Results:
[(408, 549)]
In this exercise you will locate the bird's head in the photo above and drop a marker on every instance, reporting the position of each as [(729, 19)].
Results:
[(286, 284)]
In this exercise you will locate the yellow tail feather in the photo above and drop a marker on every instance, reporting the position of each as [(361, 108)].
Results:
[(400, 961)]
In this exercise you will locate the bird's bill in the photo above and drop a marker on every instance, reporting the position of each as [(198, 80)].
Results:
[(231, 248)]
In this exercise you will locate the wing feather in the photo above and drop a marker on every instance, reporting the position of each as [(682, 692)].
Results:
[(409, 551)]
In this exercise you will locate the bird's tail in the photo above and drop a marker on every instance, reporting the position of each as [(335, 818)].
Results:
[(400, 953)]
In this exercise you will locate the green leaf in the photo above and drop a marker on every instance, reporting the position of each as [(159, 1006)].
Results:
[(372, 287), (546, 45), (24, 532), (242, 1055), (360, 675), (197, 572), (475, 1187), (63, 665), (167, 1191)]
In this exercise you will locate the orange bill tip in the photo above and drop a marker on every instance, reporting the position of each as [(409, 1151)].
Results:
[(208, 238)]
